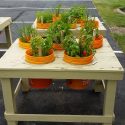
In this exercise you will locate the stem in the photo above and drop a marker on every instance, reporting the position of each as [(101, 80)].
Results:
[(40, 51)]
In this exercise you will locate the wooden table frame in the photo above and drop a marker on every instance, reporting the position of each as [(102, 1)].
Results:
[(13, 65), (5, 24)]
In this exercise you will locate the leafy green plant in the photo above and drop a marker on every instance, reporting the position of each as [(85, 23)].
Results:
[(67, 18), (80, 48), (26, 32), (57, 10), (41, 46), (58, 31), (44, 16), (78, 12)]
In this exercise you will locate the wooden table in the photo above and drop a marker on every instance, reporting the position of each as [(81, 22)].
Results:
[(5, 24), (105, 66)]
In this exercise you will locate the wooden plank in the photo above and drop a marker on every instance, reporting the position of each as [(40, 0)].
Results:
[(14, 59), (109, 98), (4, 21), (9, 100), (59, 118)]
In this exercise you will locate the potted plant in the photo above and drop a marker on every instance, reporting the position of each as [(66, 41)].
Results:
[(79, 13), (40, 53), (25, 34), (90, 21), (57, 15), (67, 18), (57, 31), (43, 19), (78, 52), (98, 39)]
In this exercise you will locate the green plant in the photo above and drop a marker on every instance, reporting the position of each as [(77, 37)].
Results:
[(41, 46), (78, 12), (58, 31), (44, 16), (67, 18), (96, 33), (80, 48), (26, 32), (57, 10)]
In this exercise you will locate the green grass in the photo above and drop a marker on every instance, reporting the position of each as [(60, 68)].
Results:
[(111, 18), (106, 10), (120, 39)]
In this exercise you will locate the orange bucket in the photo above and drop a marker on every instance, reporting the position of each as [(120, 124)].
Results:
[(77, 60), (98, 42), (57, 46), (25, 45), (56, 18), (78, 84), (43, 25), (40, 83), (39, 60)]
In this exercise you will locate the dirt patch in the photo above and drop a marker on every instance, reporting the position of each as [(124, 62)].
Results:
[(118, 30)]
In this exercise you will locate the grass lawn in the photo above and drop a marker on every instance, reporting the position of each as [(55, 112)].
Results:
[(107, 11)]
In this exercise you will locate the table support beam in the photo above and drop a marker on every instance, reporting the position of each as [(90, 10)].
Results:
[(59, 118), (109, 98), (9, 101)]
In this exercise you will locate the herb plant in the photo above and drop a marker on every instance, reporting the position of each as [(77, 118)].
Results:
[(58, 31), (26, 32), (57, 10), (44, 16), (41, 46), (78, 12)]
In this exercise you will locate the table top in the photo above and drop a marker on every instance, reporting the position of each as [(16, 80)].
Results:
[(4, 21), (105, 65)]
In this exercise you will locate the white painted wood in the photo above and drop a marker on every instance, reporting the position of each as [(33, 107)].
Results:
[(13, 64), (25, 85), (60, 118), (102, 29), (109, 98), (17, 88), (4, 21), (9, 102), (99, 86), (8, 34), (5, 24)]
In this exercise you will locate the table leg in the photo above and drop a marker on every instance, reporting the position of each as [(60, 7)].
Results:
[(109, 99), (9, 101), (8, 35), (25, 85)]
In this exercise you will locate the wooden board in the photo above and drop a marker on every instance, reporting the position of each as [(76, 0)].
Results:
[(4, 21), (105, 65), (102, 29)]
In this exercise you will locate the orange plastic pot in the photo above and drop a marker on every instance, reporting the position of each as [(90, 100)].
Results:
[(78, 60), (43, 25), (40, 83), (57, 46), (25, 45), (79, 21), (73, 26), (78, 84), (39, 60), (56, 18), (98, 42)]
